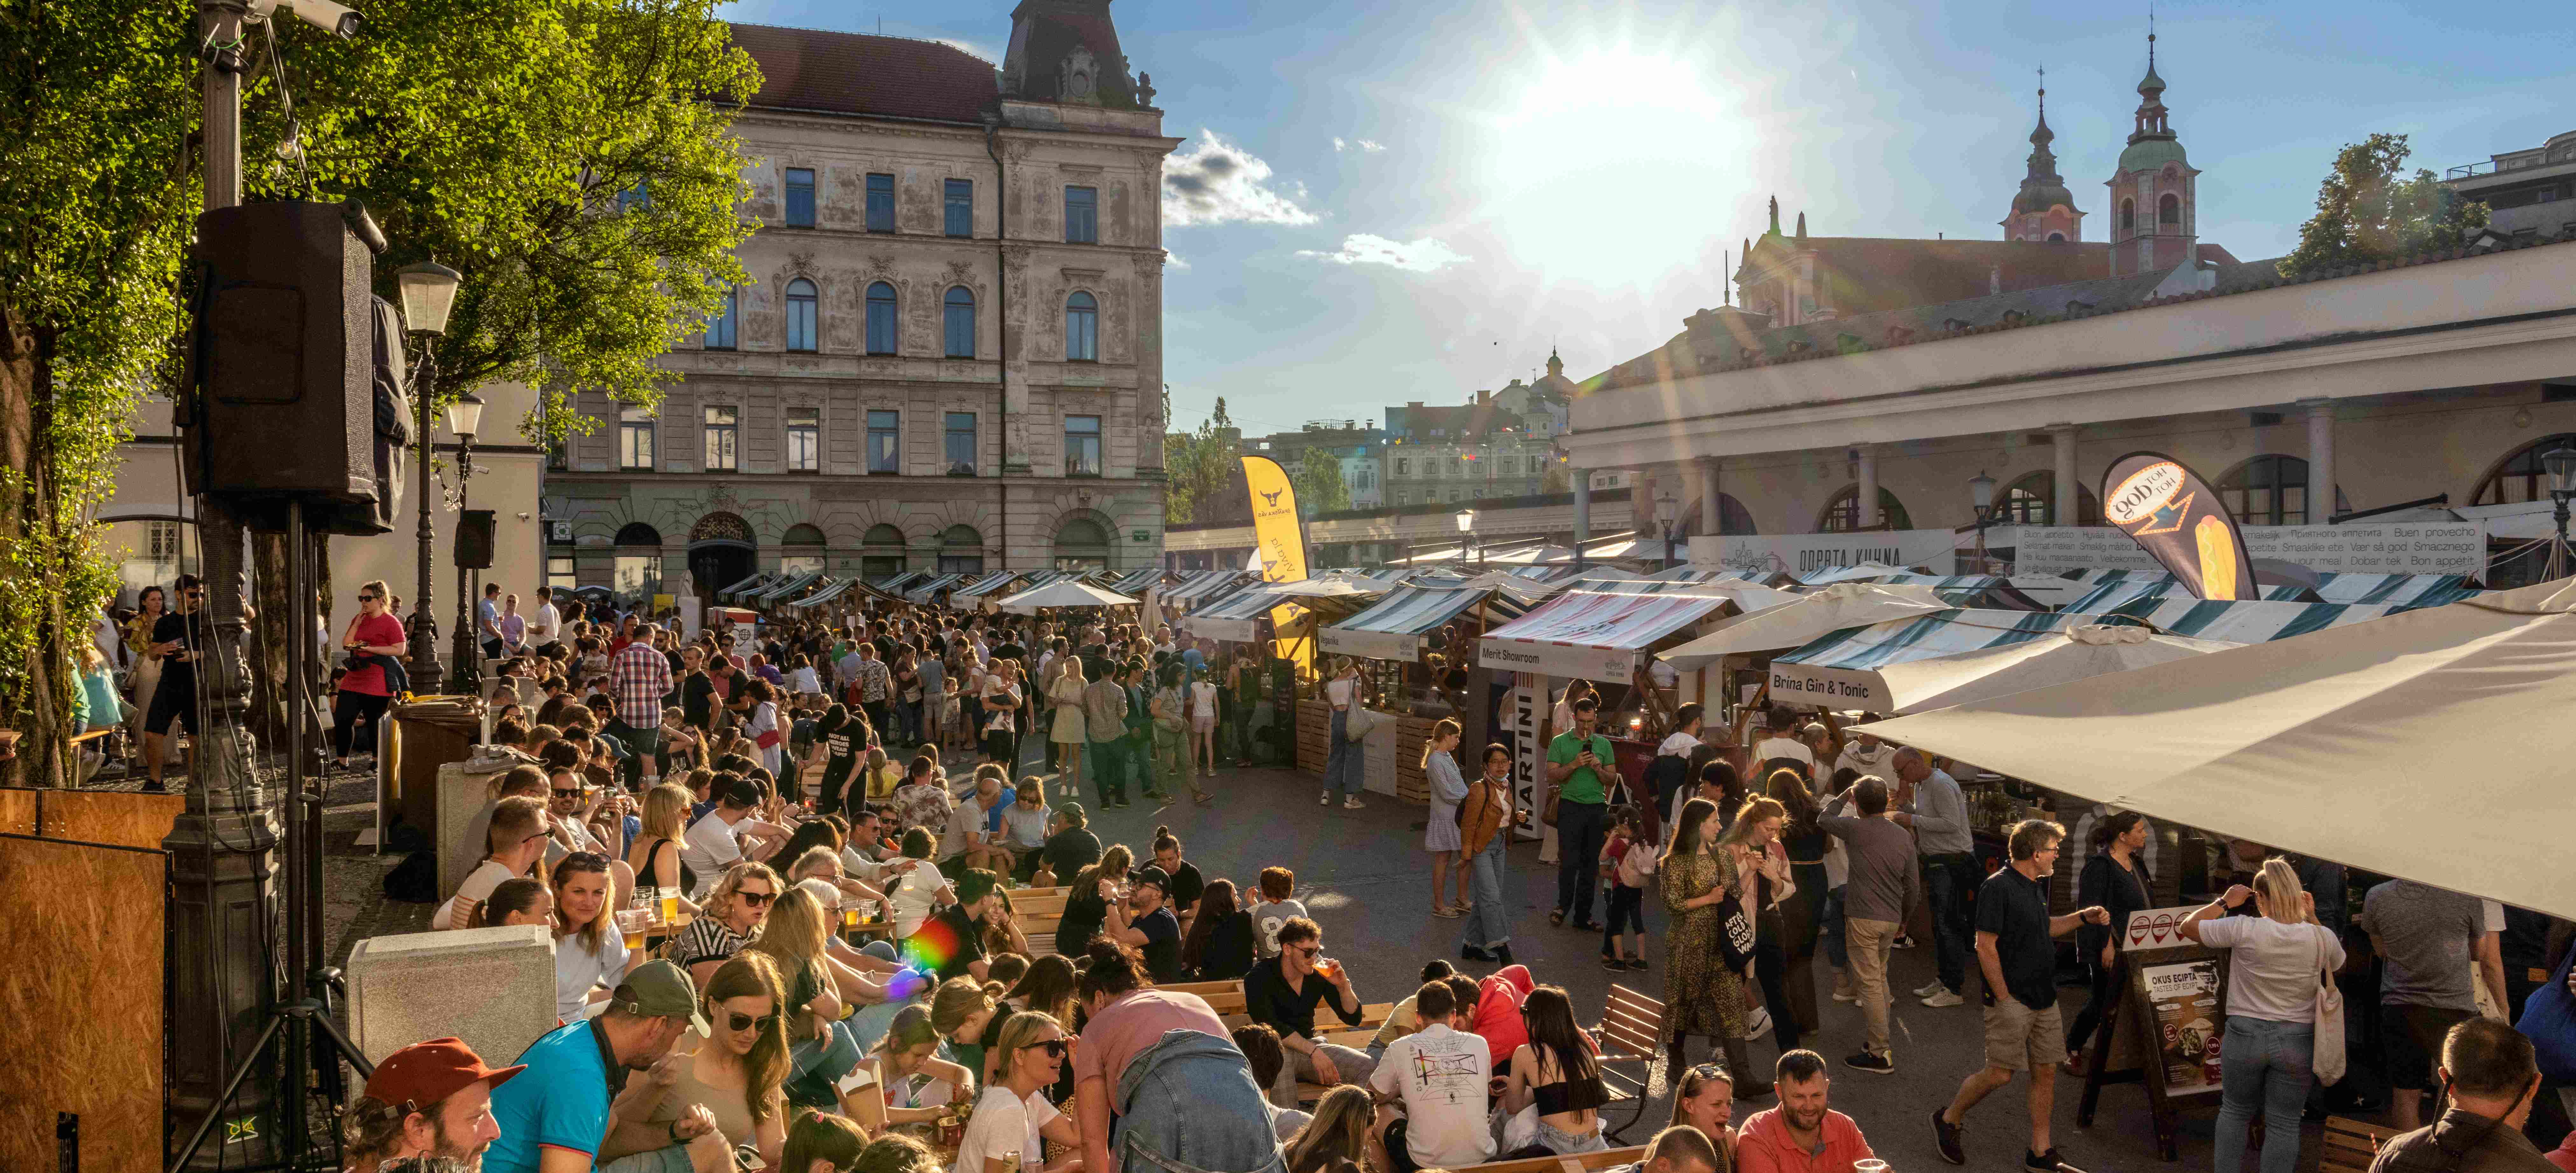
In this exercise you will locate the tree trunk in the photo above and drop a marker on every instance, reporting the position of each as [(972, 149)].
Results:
[(34, 697), (269, 635)]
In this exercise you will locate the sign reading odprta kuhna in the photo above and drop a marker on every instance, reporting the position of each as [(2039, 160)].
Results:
[(2179, 520)]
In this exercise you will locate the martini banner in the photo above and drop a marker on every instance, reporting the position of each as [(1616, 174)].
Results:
[(1281, 536), (2179, 520)]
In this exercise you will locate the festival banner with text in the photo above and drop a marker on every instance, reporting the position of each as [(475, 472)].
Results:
[(1282, 538), (2173, 514)]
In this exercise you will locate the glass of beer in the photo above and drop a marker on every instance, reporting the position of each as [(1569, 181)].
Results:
[(670, 898), (633, 922), (850, 915), (1331, 968)]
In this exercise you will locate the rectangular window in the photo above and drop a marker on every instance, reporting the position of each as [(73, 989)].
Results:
[(556, 458), (961, 444), (800, 197), (635, 573), (1082, 445), (960, 207), (559, 574), (723, 454), (885, 441), (804, 440), (1082, 215), (719, 335), (1403, 467), (880, 203), (634, 439), (1511, 465)]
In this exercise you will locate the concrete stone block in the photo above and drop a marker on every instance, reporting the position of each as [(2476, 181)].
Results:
[(493, 988), (462, 790)]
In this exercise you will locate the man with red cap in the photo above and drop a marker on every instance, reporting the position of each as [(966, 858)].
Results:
[(431, 1099)]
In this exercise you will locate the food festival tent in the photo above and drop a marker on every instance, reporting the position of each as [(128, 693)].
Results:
[(1605, 630), (2405, 591), (746, 586), (1838, 670), (1804, 618), (770, 596), (1138, 582), (902, 582), (1234, 617), (1206, 586), (990, 583), (1065, 592), (827, 594), (1332, 585), (1865, 572), (1399, 626), (921, 592), (2059, 657), (2246, 621), (2431, 744)]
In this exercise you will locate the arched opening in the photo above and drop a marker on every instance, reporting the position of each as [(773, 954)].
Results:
[(1081, 544), (961, 550), (2129, 214), (636, 533), (801, 300), (2169, 209), (722, 552), (1732, 518), (1081, 328), (2032, 500), (801, 549), (881, 319), (2270, 490), (880, 552), (2519, 478), (637, 572), (2057, 236), (960, 322), (1842, 514)]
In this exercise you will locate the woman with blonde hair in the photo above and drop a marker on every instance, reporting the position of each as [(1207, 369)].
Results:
[(822, 1051), (735, 910), (963, 1010), (1064, 685), (1704, 1098), (2277, 961), (1342, 764), (1440, 831), (1014, 1119), (590, 954), (1339, 1131), (1759, 866), (655, 853)]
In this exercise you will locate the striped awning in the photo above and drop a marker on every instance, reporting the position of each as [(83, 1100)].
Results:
[(1865, 572), (1604, 630), (1398, 626), (771, 595), (1232, 618), (2244, 622), (985, 586), (899, 583), (1139, 582), (825, 595), (1940, 633), (1206, 584), (920, 592), (747, 586), (2403, 592), (2120, 592), (725, 592)]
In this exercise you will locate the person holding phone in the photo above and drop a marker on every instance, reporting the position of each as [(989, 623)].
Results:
[(1580, 766), (177, 639)]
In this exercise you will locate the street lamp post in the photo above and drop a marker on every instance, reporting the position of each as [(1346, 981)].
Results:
[(1981, 493), (428, 290), (465, 417), (1466, 531), (2560, 464), (1667, 511)]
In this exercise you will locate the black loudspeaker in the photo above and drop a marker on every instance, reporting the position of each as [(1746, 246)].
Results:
[(281, 358), (474, 539)]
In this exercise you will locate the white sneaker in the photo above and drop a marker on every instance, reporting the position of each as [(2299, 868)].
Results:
[(1352, 804), (1901, 942), (1945, 998), (1840, 996), (1327, 799), (1758, 1023), (1930, 988)]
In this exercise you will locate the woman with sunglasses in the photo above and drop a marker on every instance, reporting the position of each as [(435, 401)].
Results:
[(900, 1083), (590, 954), (373, 638), (1013, 1119), (737, 1068), (734, 912), (822, 1048)]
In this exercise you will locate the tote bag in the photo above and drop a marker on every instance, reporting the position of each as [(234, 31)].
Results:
[(2328, 1059)]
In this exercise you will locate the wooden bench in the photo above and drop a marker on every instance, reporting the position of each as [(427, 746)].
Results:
[(2351, 1145), (1580, 1163), (1631, 1032)]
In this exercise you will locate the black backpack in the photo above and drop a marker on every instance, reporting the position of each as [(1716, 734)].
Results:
[(414, 880)]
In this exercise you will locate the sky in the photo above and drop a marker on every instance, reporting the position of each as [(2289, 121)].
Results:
[(1380, 203)]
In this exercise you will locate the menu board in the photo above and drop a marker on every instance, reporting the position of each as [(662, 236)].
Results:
[(2183, 1004)]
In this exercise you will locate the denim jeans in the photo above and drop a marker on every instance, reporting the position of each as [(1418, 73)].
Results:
[(1343, 768), (2266, 1064), (1835, 950), (1947, 881), (1489, 923), (816, 1066), (1189, 1103), (1578, 856)]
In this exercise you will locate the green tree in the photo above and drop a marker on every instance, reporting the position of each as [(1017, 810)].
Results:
[(1552, 477), (2369, 210), (1199, 466), (1320, 487)]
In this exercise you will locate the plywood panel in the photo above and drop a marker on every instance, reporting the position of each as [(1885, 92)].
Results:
[(112, 817), (17, 811), (84, 1029)]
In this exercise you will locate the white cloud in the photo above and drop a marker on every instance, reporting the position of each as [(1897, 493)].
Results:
[(1342, 144), (1173, 260), (969, 48), (1371, 147), (1413, 256), (1221, 183)]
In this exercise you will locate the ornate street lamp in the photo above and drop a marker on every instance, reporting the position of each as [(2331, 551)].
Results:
[(1981, 493), (465, 417), (428, 291), (1667, 511), (2560, 464), (1466, 530)]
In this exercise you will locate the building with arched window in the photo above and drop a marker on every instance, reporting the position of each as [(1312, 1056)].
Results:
[(850, 403)]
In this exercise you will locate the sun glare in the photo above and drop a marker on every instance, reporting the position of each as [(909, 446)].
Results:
[(1611, 163)]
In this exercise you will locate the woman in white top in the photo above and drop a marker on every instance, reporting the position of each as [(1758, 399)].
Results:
[(801, 679), (1440, 830), (900, 1083), (590, 953), (921, 889), (765, 734), (1001, 705), (1013, 1120), (1203, 720), (1064, 685), (2277, 962), (1342, 764)]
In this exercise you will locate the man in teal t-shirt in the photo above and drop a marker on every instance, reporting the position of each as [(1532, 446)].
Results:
[(1579, 764)]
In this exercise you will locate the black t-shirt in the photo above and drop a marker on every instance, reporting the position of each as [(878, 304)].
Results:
[(1186, 885), (951, 939), (697, 698), (1227, 950), (1084, 911), (1070, 850), (2014, 908), (840, 743), (1162, 943), (188, 630)]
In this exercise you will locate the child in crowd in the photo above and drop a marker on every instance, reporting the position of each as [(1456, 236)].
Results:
[(1627, 866)]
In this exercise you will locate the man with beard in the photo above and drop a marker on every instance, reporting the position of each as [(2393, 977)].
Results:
[(1802, 1135), (431, 1099), (581, 1102)]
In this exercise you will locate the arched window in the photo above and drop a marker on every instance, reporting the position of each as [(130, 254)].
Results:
[(2032, 500), (802, 534), (1732, 518), (2057, 236), (1081, 544), (881, 319), (1081, 328), (800, 315), (961, 550), (883, 555), (960, 322), (2169, 209), (719, 335), (2129, 214), (2521, 478), (1842, 514), (636, 533), (2267, 490)]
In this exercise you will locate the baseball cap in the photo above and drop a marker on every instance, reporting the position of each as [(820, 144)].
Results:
[(661, 989), (1150, 874), (1072, 810), (425, 1073)]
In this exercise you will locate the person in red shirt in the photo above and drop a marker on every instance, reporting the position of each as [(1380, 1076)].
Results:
[(373, 638), (1498, 1012), (1802, 1135)]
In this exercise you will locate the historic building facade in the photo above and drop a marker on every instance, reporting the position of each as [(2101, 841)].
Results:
[(949, 354)]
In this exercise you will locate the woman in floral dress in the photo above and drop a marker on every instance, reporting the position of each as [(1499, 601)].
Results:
[(1702, 996)]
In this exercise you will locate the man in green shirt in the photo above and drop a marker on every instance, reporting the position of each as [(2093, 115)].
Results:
[(1579, 766)]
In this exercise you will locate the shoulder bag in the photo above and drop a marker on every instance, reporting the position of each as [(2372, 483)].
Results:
[(1358, 723), (2328, 1060)]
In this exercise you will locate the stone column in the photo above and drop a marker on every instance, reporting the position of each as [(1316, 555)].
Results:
[(2070, 494), (1868, 488), (1711, 518), (2321, 460), (1582, 511)]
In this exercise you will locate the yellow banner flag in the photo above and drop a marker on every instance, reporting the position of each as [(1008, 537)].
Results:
[(1282, 538)]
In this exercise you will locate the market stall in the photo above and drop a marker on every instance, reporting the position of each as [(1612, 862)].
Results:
[(747, 586), (1603, 630), (1409, 648), (1066, 592), (1912, 683), (999, 580), (2244, 621), (1803, 618)]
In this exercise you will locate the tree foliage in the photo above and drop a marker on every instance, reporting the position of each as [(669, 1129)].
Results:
[(1200, 467), (1320, 487), (2369, 210)]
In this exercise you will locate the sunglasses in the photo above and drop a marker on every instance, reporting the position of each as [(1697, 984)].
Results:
[(575, 792), (1712, 1071), (366, 598), (756, 899), (585, 859), (1055, 1048), (740, 1021), (1310, 952)]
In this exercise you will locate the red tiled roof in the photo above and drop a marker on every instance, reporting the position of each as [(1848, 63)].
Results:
[(854, 73), (1861, 274)]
